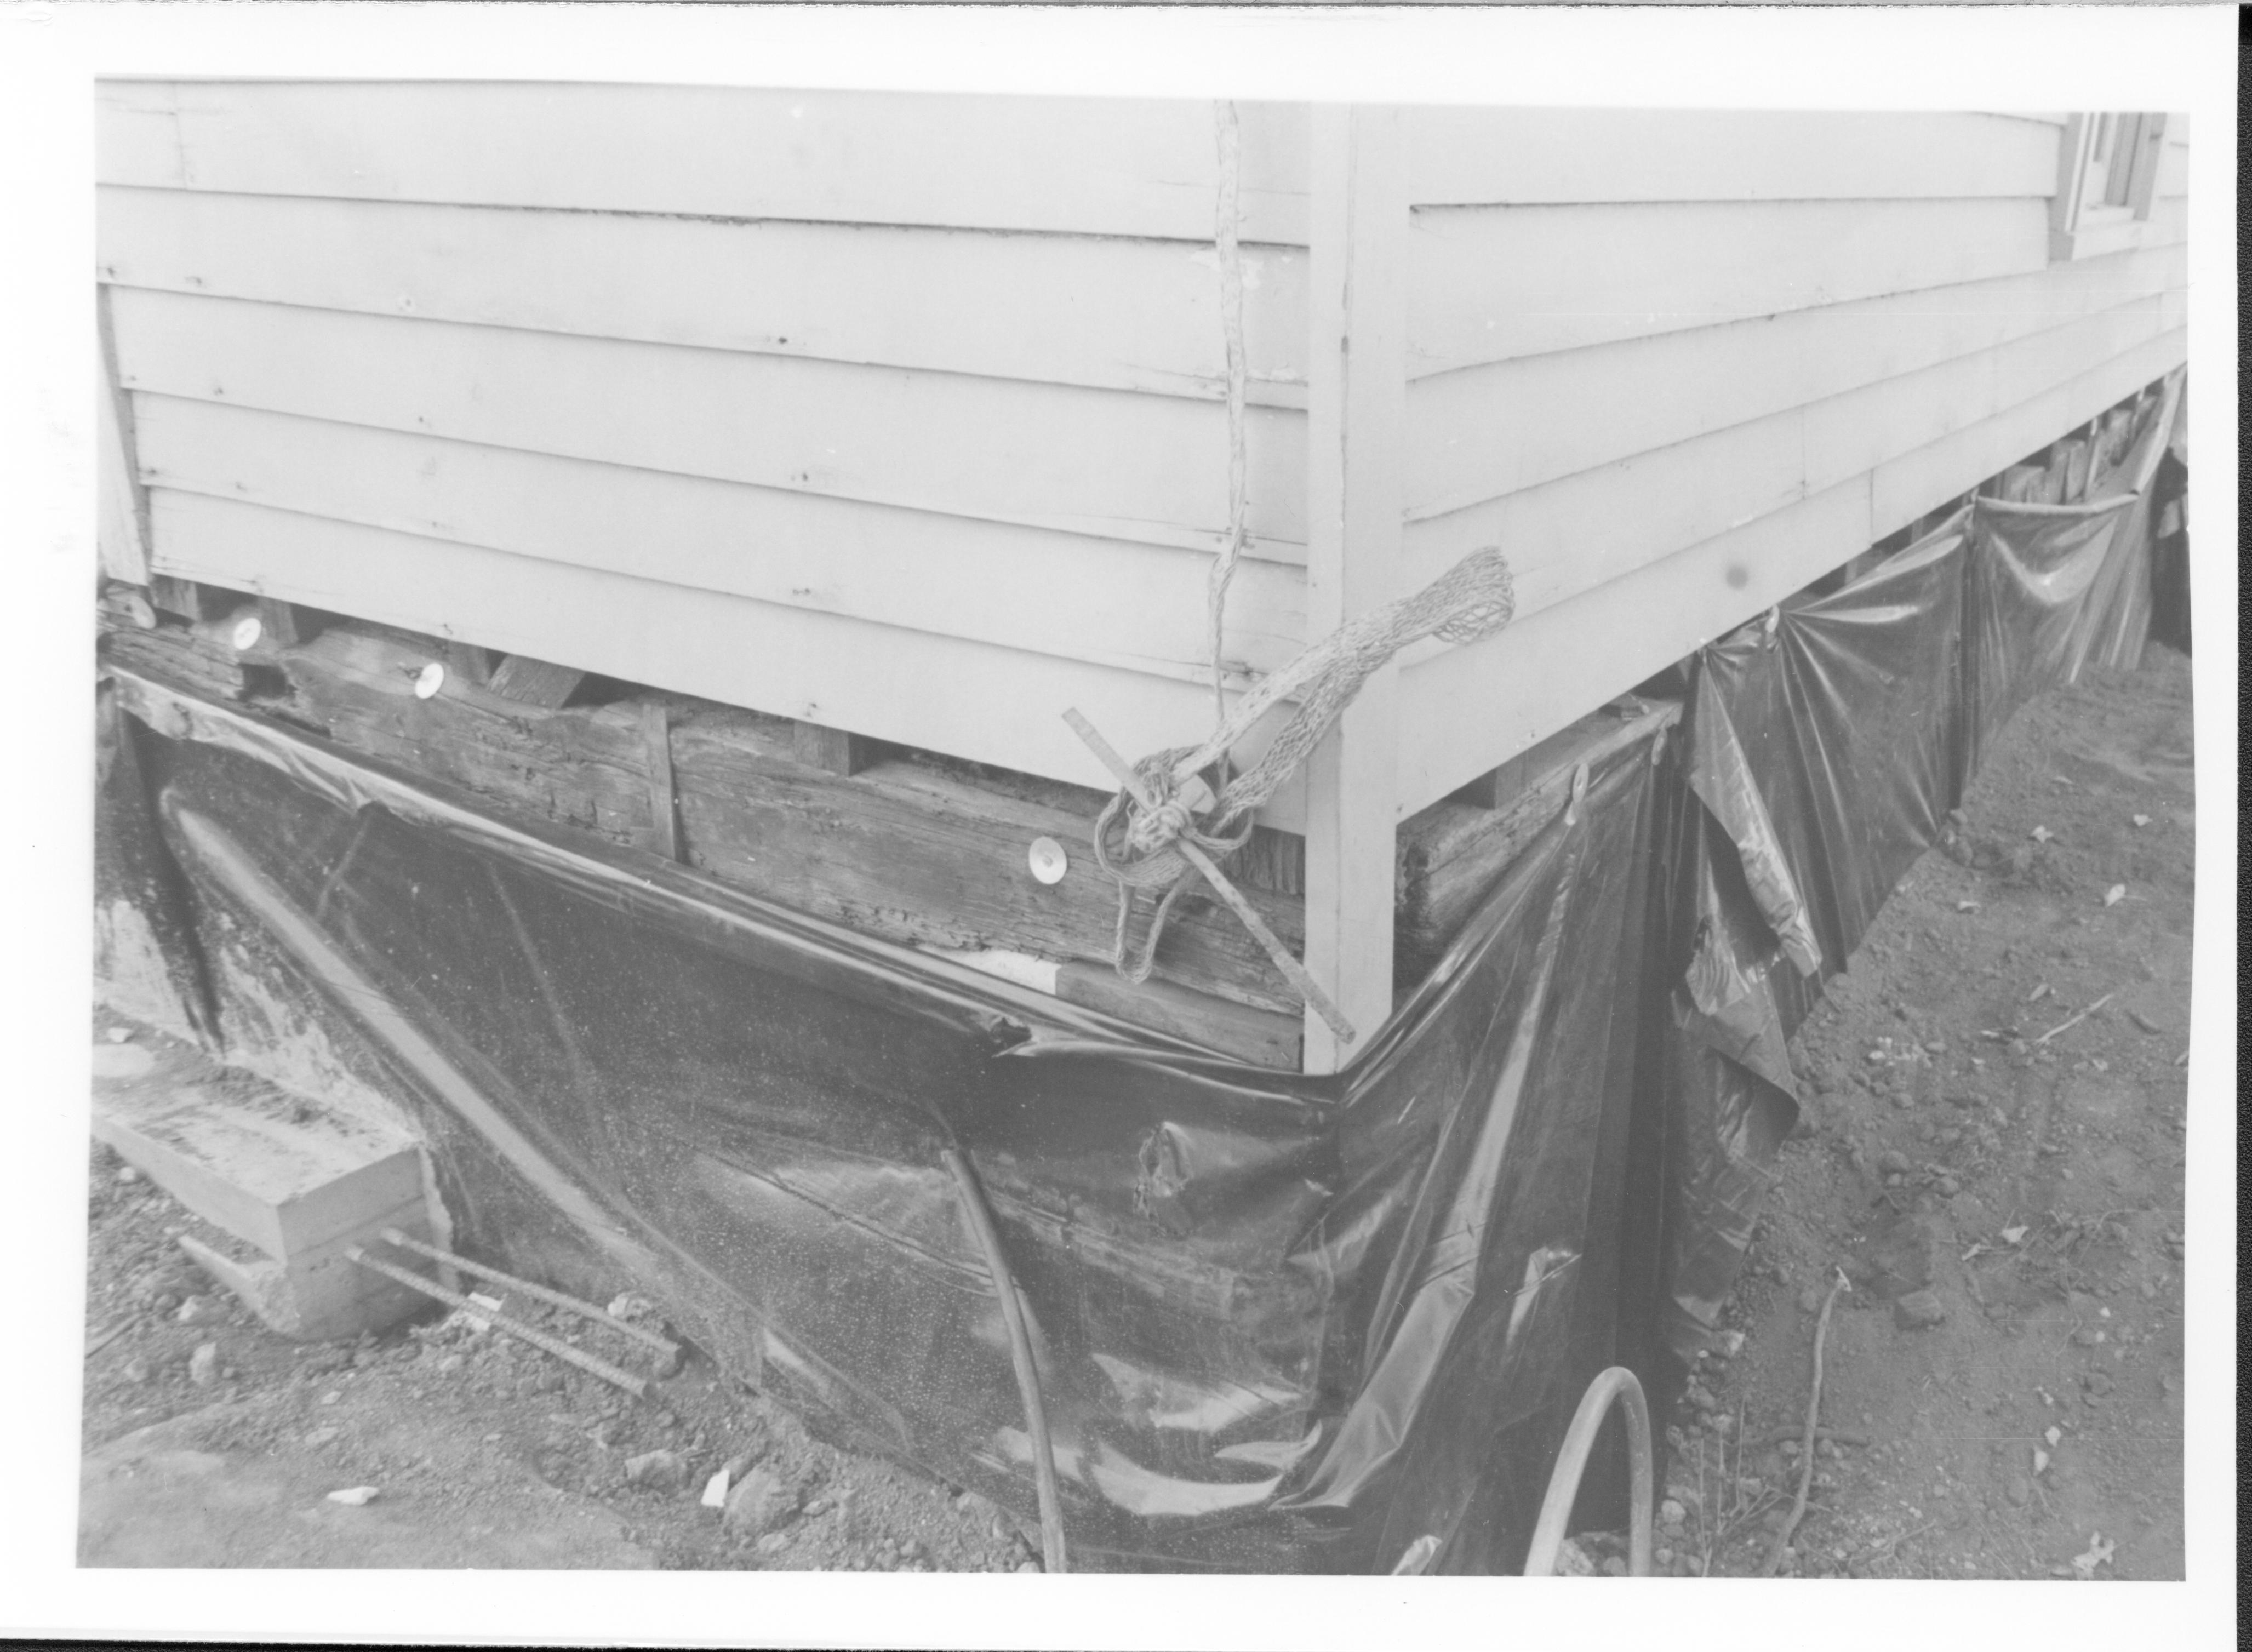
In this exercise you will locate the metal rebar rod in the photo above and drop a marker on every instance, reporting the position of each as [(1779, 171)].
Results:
[(393, 1236), (634, 1385), (1053, 1557)]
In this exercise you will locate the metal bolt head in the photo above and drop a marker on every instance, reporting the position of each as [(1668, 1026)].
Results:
[(429, 680), (246, 632), (1048, 861)]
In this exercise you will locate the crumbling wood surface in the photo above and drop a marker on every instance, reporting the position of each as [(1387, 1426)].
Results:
[(911, 848)]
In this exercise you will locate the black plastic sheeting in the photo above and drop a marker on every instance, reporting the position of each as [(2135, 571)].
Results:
[(1281, 1323), (1826, 746)]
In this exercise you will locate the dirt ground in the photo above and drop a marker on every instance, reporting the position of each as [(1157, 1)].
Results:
[(1991, 1157)]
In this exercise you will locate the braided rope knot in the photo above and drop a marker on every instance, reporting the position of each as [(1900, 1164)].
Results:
[(1137, 839)]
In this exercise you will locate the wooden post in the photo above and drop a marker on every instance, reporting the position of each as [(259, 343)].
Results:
[(832, 750), (1356, 373), (122, 534), (664, 803), (530, 682)]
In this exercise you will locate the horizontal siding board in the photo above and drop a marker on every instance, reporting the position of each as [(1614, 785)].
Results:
[(1118, 314), (1905, 486), (1485, 431), (945, 694), (1103, 166), (1465, 157), (1138, 607), (1565, 537), (1115, 465), (1491, 283), (1468, 710)]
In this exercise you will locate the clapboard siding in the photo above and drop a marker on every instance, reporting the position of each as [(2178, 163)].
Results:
[(1108, 312), (1135, 606), (1099, 166), (1595, 526), (1481, 432), (904, 413), (945, 693), (1147, 467), (1468, 156), (1493, 282), (1905, 488), (1558, 663)]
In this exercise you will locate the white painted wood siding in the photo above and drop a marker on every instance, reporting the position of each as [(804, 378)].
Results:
[(1679, 364), (905, 413)]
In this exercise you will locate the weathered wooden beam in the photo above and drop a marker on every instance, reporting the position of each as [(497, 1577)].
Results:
[(1452, 853), (664, 803), (832, 750), (1357, 402), (529, 682)]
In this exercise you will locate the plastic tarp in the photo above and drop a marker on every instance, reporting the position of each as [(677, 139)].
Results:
[(1826, 745), (2055, 588), (1280, 1323)]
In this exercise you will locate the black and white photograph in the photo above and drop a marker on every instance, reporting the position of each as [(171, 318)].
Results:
[(850, 822)]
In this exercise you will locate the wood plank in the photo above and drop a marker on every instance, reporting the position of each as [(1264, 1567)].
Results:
[(540, 683), (1261, 1036), (663, 792), (1356, 384), (1484, 431), (1900, 487), (1569, 536), (121, 522), (1116, 314), (1151, 469), (831, 750), (1461, 156), (1116, 166), (1491, 283), (914, 688), (280, 624), (1466, 709), (1452, 853), (1135, 606)]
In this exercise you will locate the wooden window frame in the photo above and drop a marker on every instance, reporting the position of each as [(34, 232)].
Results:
[(2096, 208)]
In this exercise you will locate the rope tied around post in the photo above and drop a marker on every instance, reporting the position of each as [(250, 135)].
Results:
[(1151, 834), (1156, 834)]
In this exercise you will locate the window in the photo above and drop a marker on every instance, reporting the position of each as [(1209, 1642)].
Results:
[(2107, 174)]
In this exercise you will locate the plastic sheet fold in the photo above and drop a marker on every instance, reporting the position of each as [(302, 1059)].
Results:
[(1280, 1323)]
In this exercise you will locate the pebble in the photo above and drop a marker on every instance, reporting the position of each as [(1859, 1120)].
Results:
[(758, 1503), (1028, 1566), (203, 1365), (1671, 1513), (321, 1436), (356, 1496), (657, 1471), (774, 1543), (128, 1176), (137, 1370), (1809, 1300), (1918, 1310), (2018, 1490)]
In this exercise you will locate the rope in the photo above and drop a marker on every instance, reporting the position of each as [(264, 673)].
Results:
[(1138, 840), (1231, 323), (1138, 846)]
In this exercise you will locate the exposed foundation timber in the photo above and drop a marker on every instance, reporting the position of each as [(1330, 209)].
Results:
[(914, 847)]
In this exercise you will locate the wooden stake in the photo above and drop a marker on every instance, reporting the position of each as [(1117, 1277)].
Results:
[(663, 812), (832, 749), (530, 682)]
